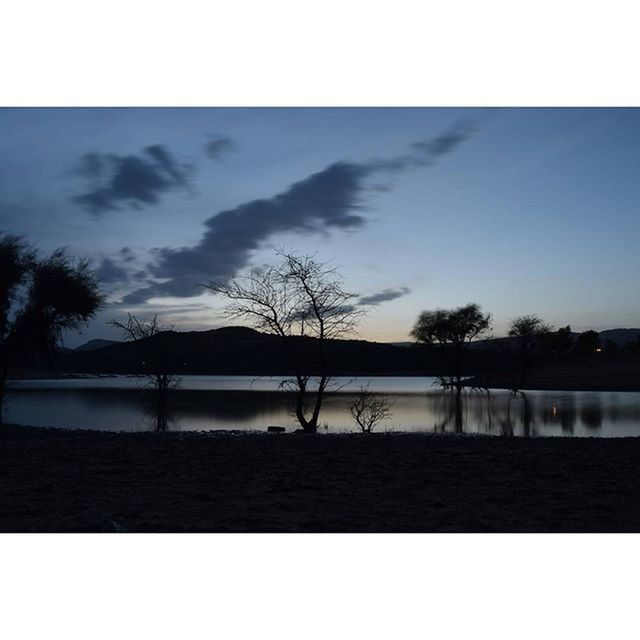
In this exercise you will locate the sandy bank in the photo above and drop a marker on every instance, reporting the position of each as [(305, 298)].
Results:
[(56, 480)]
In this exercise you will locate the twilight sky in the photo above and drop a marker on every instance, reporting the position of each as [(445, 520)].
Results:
[(520, 210)]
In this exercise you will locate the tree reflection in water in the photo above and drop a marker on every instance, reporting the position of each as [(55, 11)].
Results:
[(158, 410), (518, 413), (497, 412)]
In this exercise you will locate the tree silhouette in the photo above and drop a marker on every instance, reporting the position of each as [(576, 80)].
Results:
[(369, 409), (561, 341), (39, 299), (154, 361), (299, 298), (588, 342), (528, 331), (455, 329)]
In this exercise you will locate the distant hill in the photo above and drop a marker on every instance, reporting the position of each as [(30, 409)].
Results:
[(240, 350), (96, 343), (244, 351), (620, 336)]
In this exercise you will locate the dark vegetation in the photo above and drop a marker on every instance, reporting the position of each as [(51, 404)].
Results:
[(562, 359), (39, 299)]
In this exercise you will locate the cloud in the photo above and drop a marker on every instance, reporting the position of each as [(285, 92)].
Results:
[(218, 146), (425, 153), (384, 296), (127, 254), (328, 199), (134, 181), (109, 272)]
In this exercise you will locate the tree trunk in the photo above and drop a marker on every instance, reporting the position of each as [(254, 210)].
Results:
[(300, 398), (526, 416), (313, 423), (458, 408)]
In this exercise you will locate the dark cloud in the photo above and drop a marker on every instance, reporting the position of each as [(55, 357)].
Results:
[(218, 145), (91, 166), (384, 296), (329, 199), (129, 181), (109, 272), (127, 254)]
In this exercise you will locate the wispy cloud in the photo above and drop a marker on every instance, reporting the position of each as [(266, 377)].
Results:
[(425, 153), (383, 296), (218, 145)]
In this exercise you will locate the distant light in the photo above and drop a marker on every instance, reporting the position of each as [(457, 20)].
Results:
[(554, 411), (598, 349)]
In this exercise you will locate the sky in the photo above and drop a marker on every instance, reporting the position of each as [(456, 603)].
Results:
[(520, 210)]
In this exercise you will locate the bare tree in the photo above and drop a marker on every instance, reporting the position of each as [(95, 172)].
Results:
[(299, 298), (154, 361), (528, 331), (369, 409)]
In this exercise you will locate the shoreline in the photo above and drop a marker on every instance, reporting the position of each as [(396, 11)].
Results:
[(58, 480), (497, 383)]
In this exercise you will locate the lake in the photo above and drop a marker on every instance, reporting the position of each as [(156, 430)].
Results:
[(120, 403)]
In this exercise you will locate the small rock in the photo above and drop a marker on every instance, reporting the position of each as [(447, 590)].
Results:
[(276, 429)]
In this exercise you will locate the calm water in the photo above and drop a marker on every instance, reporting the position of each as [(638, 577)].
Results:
[(245, 402)]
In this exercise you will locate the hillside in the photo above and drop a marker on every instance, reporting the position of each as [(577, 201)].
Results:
[(96, 343), (239, 350)]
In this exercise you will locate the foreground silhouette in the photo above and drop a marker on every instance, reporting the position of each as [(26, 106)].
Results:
[(39, 298)]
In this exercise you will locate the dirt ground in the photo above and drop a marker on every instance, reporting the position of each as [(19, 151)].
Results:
[(80, 481)]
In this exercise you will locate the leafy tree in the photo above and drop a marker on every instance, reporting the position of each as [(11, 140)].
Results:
[(528, 331), (39, 299), (455, 329), (299, 298), (558, 343), (588, 342)]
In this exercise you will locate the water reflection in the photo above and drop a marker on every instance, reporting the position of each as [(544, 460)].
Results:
[(537, 413), (418, 406)]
